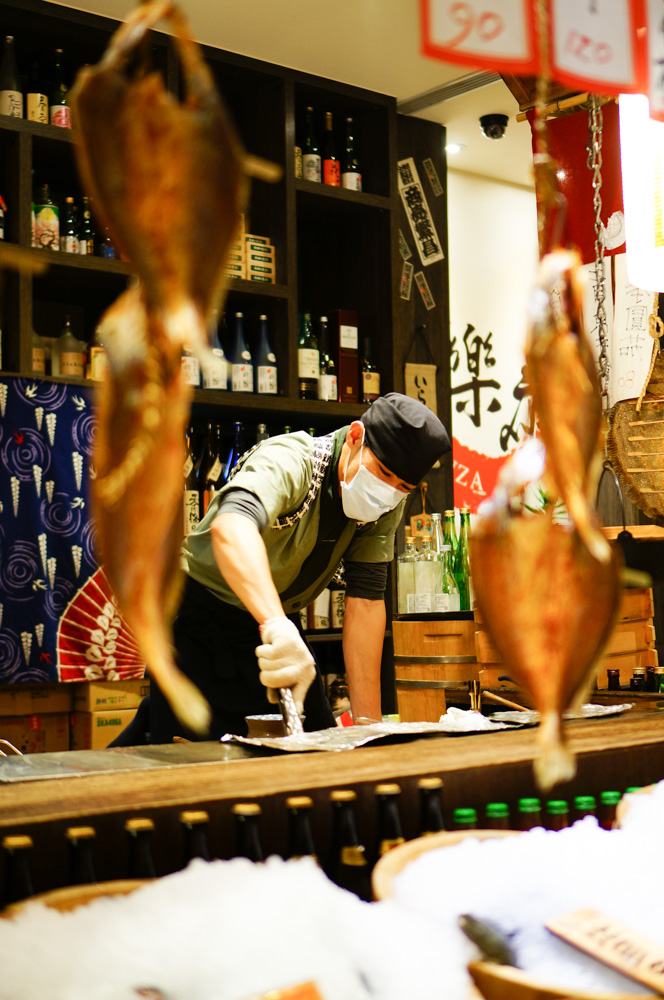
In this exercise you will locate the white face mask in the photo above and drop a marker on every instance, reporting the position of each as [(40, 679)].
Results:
[(366, 497)]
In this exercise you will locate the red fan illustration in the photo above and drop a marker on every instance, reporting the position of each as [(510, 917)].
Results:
[(94, 641)]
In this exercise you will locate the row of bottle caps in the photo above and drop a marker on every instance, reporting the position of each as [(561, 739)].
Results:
[(348, 862), (45, 104)]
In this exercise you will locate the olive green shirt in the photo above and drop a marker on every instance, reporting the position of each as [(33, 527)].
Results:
[(307, 534)]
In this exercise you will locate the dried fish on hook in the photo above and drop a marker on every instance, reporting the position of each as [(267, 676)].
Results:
[(169, 181)]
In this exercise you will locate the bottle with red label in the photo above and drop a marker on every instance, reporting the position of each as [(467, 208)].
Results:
[(60, 111), (331, 169)]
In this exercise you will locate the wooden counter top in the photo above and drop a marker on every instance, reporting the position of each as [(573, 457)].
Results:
[(182, 781)]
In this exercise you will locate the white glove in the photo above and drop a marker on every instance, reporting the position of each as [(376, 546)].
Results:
[(284, 660)]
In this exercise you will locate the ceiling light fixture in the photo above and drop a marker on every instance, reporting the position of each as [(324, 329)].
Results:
[(454, 147)]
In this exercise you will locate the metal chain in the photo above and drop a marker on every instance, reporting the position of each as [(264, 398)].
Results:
[(595, 123)]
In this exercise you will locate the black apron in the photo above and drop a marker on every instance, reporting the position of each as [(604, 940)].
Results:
[(215, 645)]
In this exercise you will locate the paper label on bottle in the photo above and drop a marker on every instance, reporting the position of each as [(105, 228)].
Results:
[(11, 103), (38, 108), (410, 604), (322, 610), (38, 361), (371, 383), (188, 466), (422, 603), (215, 374), (327, 388), (71, 243), (352, 181), (61, 116), (191, 370), (267, 379), (348, 337), (215, 471), (47, 227), (298, 161), (71, 363), (446, 602), (331, 174), (243, 378), (191, 511), (98, 363), (308, 363), (311, 167), (337, 607), (2, 224)]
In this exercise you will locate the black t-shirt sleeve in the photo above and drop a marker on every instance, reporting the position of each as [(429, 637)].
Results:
[(366, 580), (239, 501)]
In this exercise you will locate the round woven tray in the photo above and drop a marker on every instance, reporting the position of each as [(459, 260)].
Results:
[(394, 862), (73, 896)]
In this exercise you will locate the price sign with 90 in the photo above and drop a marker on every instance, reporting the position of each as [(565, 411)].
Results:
[(594, 44), (492, 34)]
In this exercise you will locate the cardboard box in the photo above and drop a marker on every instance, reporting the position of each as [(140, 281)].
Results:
[(95, 730), (260, 255), (263, 240), (28, 699), (38, 733), (100, 696), (267, 278), (235, 270), (344, 348)]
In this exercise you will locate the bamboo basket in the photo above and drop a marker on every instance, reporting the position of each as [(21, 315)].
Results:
[(492, 981), (73, 896)]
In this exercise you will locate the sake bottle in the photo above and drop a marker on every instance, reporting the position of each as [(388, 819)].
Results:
[(60, 112), (351, 176), (37, 99), (242, 367), (191, 367), (448, 597), (68, 357), (215, 369), (406, 579), (11, 95), (390, 830), (47, 221), (327, 381), (17, 849), (308, 359), (87, 235), (331, 170), (311, 159), (38, 354), (428, 567), (449, 532), (191, 495), (265, 367), (140, 831), (211, 474), (462, 562), (236, 450)]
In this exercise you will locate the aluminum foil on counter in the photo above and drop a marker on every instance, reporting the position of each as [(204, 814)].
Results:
[(455, 722)]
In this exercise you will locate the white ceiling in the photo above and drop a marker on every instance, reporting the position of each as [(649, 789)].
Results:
[(367, 43)]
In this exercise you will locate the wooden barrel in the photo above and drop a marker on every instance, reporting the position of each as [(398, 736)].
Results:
[(430, 656)]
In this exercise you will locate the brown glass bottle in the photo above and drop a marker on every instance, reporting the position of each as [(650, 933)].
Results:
[(529, 814), (300, 837), (390, 830), (140, 831), (584, 805), (348, 866), (431, 806), (18, 869), (497, 816), (195, 824), (608, 805), (248, 842), (81, 854), (557, 814)]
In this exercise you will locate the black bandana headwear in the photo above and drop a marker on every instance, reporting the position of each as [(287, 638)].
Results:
[(405, 435)]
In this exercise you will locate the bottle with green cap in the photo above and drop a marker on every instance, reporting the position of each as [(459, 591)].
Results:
[(557, 814), (584, 805), (497, 816), (464, 819), (529, 813), (608, 803), (633, 788)]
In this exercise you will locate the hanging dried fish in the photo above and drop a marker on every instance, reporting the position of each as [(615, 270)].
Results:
[(550, 593), (168, 180)]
